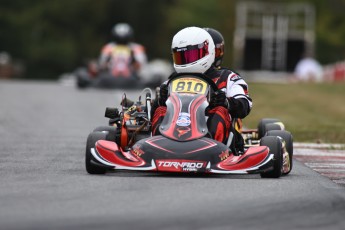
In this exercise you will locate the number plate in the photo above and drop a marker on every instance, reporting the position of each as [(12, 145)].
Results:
[(189, 85)]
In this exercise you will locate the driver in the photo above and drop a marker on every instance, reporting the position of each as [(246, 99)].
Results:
[(114, 57), (194, 51), (238, 114)]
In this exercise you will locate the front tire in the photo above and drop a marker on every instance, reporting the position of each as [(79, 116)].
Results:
[(287, 137), (275, 145), (91, 141)]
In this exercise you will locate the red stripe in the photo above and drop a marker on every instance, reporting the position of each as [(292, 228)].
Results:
[(176, 107), (107, 149), (159, 113), (193, 111), (254, 156), (151, 142), (328, 163), (219, 133)]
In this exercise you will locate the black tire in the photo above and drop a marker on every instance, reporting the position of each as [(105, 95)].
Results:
[(287, 137), (83, 78), (272, 126), (91, 141), (110, 132), (275, 146), (262, 125)]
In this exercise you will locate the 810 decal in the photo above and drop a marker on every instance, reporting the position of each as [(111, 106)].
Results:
[(189, 85)]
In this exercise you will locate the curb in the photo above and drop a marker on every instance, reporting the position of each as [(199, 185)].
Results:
[(319, 146)]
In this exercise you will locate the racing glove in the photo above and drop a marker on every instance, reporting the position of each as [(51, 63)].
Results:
[(218, 98), (239, 108), (163, 94)]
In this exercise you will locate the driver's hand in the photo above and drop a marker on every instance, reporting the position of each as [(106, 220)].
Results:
[(218, 98), (163, 94)]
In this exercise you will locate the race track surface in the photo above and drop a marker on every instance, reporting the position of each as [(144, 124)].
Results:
[(44, 185)]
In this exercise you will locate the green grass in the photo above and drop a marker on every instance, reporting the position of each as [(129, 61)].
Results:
[(311, 112)]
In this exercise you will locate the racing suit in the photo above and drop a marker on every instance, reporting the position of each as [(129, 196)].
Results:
[(122, 59), (219, 120)]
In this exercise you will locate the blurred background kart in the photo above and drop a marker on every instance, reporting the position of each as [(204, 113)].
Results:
[(151, 75)]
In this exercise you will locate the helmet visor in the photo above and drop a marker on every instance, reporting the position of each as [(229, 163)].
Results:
[(219, 51), (190, 54)]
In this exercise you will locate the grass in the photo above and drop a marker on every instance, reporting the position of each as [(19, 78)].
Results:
[(312, 112)]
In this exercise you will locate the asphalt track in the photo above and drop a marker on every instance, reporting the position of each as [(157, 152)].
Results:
[(44, 185)]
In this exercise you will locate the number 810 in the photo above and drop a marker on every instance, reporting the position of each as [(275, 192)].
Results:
[(196, 87)]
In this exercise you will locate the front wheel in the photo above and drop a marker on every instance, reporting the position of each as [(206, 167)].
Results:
[(90, 144), (275, 145), (287, 137)]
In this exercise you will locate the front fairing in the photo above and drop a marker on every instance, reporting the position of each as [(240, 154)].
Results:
[(185, 117)]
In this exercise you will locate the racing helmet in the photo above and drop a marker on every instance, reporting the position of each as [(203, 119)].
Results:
[(122, 33), (192, 50), (218, 40)]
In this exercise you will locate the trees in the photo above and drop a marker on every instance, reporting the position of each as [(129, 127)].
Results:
[(56, 36)]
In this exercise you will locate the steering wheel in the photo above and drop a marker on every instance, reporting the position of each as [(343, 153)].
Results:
[(211, 83)]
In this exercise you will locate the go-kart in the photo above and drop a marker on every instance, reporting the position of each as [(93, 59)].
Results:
[(184, 145), (106, 80), (120, 72), (89, 78)]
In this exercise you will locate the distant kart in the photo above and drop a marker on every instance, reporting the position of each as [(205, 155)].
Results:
[(87, 78), (121, 72), (184, 145), (106, 80)]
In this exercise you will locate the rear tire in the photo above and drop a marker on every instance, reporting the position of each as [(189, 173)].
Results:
[(83, 78), (262, 125), (110, 132), (272, 126), (275, 145), (287, 137), (91, 141)]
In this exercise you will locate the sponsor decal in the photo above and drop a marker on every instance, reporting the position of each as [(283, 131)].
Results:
[(183, 119), (138, 151), (224, 155), (182, 131), (235, 77), (180, 165)]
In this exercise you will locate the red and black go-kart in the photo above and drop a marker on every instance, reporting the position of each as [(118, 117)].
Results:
[(184, 144)]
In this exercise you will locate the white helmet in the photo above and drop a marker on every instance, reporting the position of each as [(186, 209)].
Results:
[(193, 50)]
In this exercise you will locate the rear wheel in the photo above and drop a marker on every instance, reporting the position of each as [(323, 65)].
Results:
[(83, 78), (263, 128), (275, 146), (110, 132), (91, 141), (287, 137)]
